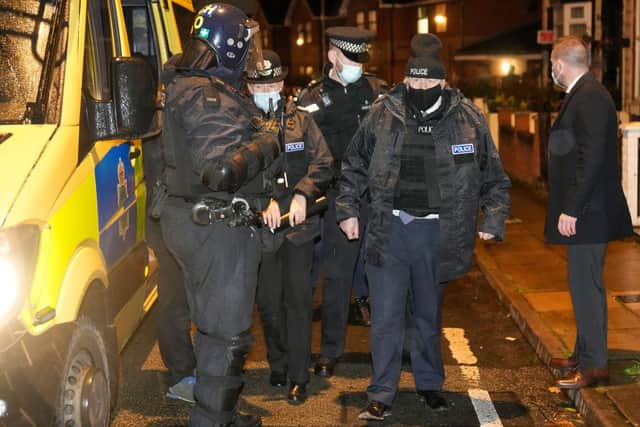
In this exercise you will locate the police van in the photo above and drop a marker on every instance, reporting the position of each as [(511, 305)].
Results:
[(78, 97)]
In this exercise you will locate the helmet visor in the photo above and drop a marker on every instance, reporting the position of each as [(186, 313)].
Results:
[(255, 60)]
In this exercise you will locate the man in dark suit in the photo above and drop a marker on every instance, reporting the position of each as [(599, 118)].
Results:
[(587, 208)]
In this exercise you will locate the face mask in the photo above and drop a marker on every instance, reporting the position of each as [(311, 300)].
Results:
[(423, 99), (261, 100), (556, 79), (350, 73)]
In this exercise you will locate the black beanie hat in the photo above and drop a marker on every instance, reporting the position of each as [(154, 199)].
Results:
[(425, 59)]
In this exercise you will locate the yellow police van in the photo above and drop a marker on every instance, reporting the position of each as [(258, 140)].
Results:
[(78, 97)]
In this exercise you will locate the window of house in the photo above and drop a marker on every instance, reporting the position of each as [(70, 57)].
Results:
[(301, 70), (577, 19), (373, 20), (307, 28), (308, 70), (423, 20), (300, 38), (360, 19), (440, 18)]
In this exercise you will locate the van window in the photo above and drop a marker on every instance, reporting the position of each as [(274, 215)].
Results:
[(140, 28), (96, 76), (97, 52), (33, 36)]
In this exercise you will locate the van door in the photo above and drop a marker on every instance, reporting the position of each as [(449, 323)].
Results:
[(120, 194)]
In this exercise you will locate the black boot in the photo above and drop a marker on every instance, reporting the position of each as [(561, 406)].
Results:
[(360, 313)]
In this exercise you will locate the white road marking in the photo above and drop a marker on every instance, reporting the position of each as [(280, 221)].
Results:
[(480, 399), (485, 410)]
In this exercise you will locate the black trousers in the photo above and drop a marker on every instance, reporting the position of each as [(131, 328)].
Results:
[(220, 265), (589, 299), (284, 299), (339, 257), (174, 317)]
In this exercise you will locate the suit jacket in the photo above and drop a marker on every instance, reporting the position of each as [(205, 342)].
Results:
[(584, 175)]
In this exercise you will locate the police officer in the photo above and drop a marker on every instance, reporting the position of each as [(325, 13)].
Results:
[(174, 319), (338, 102), (426, 156), (214, 156), (301, 175)]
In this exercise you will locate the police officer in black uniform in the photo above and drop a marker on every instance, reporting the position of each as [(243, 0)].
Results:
[(174, 319), (338, 102), (301, 176), (214, 155)]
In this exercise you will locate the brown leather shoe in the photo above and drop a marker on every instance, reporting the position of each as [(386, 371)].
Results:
[(584, 377), (562, 363)]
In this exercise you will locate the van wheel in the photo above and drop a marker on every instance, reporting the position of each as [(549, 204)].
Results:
[(86, 396)]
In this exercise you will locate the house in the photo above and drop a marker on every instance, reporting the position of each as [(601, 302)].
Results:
[(458, 23), (609, 28), (307, 20)]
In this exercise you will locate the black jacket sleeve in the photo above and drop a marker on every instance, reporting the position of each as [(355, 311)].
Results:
[(495, 200), (353, 180), (319, 171)]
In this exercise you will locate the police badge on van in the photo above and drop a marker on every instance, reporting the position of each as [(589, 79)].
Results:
[(463, 153)]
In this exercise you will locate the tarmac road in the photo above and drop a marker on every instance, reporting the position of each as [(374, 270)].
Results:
[(493, 377)]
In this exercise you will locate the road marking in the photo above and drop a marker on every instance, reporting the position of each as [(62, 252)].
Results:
[(480, 399), (485, 410)]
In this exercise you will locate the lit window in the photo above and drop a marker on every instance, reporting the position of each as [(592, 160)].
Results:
[(300, 38), (307, 27), (423, 20), (373, 20), (441, 18), (309, 70), (301, 69), (360, 19)]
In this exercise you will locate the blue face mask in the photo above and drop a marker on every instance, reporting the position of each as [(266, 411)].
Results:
[(350, 73), (261, 100)]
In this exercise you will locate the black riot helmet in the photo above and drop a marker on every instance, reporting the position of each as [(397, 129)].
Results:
[(221, 34)]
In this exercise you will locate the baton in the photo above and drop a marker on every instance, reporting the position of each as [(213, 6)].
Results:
[(316, 208)]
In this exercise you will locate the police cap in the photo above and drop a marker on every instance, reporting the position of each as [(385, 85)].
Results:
[(271, 70), (352, 41)]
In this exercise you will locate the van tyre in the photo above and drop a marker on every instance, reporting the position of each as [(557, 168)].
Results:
[(86, 392)]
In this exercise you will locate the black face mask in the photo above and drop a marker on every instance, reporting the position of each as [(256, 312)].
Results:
[(423, 99)]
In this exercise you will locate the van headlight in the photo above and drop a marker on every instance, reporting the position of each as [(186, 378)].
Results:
[(18, 256)]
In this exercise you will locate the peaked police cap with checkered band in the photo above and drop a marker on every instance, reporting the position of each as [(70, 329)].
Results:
[(352, 41), (271, 71)]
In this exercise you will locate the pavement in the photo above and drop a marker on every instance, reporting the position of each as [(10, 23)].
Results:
[(530, 278)]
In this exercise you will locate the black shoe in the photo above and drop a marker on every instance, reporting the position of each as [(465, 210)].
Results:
[(433, 399), (375, 411), (297, 394), (242, 420), (360, 313), (325, 366), (278, 379)]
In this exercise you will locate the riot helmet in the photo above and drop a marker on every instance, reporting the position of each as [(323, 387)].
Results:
[(221, 35)]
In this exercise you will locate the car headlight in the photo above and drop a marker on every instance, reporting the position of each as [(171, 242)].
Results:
[(18, 256)]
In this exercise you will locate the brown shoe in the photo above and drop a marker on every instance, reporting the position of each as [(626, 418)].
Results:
[(562, 363), (584, 377)]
